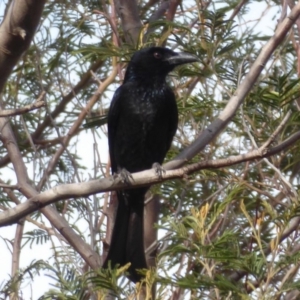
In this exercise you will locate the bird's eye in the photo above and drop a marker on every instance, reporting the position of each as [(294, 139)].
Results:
[(157, 55)]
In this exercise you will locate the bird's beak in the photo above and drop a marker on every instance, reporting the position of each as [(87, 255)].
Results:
[(181, 58)]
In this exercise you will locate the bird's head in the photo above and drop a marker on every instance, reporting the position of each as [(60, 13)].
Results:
[(156, 62)]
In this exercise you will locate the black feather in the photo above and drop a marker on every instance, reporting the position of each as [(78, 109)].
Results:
[(142, 121)]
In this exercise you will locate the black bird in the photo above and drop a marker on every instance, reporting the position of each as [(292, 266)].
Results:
[(142, 121)]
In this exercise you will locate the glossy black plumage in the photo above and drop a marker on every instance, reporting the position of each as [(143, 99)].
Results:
[(142, 121)]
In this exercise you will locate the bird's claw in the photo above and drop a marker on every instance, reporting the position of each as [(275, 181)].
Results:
[(124, 176), (159, 170)]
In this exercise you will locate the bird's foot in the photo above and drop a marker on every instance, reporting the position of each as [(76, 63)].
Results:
[(124, 176), (159, 170)]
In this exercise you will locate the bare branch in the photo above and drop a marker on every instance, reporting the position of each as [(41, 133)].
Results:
[(17, 248), (91, 257), (237, 99), (144, 178), (8, 186), (16, 33), (159, 12), (172, 9), (75, 126), (22, 110), (238, 8), (130, 20), (85, 78), (278, 130)]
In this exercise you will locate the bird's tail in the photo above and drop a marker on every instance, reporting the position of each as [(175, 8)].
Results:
[(127, 242)]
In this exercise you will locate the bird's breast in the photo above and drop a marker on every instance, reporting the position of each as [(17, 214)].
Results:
[(148, 104), (143, 129)]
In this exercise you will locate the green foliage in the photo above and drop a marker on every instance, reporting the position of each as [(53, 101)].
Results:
[(36, 236), (10, 288), (225, 233)]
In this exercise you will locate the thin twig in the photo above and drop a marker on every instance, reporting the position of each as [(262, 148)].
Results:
[(22, 110), (75, 127)]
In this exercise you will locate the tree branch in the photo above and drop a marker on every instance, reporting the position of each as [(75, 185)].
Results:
[(75, 127), (130, 20), (85, 78), (22, 110), (16, 33), (145, 178), (17, 248), (212, 131)]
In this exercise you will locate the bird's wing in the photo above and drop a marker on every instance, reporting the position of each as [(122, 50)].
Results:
[(173, 118), (112, 125)]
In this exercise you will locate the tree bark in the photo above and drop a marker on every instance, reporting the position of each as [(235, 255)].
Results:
[(16, 32)]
